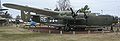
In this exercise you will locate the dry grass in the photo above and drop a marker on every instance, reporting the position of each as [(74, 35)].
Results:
[(17, 34)]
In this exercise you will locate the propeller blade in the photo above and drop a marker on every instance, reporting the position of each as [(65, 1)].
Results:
[(72, 11), (77, 11), (86, 7)]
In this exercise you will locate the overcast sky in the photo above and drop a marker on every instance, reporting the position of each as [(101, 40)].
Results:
[(109, 7)]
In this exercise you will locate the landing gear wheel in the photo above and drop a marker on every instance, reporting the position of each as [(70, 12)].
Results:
[(100, 29)]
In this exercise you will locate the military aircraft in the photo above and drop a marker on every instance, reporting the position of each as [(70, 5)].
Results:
[(67, 20)]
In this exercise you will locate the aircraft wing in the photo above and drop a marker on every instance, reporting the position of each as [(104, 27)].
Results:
[(30, 9)]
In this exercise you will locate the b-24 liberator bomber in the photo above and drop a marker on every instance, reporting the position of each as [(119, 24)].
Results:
[(68, 20)]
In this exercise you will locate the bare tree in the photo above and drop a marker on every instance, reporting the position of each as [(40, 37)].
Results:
[(64, 5)]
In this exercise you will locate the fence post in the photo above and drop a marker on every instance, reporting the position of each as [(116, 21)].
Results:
[(89, 31), (73, 32)]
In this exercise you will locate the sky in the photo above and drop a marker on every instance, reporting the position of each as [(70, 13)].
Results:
[(109, 7)]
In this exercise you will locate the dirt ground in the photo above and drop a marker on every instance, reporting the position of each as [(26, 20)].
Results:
[(12, 33)]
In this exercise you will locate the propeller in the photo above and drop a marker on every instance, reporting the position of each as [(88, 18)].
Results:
[(84, 10), (74, 14)]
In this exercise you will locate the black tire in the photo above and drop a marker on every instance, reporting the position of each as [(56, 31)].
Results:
[(100, 29)]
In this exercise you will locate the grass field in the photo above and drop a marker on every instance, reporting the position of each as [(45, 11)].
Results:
[(12, 33)]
